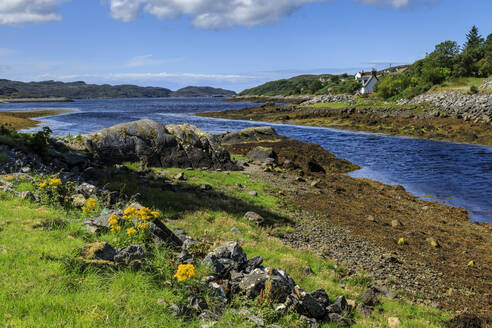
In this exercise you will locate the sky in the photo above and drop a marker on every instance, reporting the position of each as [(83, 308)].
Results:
[(232, 44)]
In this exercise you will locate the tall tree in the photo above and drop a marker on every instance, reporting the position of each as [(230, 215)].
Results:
[(473, 39)]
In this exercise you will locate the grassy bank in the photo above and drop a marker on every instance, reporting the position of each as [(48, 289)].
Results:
[(41, 286), (24, 120)]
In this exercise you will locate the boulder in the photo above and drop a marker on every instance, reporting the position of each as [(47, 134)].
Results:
[(263, 154), (98, 251), (154, 144), (281, 284), (225, 258), (261, 133), (129, 254), (254, 217)]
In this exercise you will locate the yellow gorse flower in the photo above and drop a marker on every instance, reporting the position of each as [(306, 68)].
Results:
[(55, 182), (42, 184), (185, 272), (90, 205), (131, 231), (143, 225), (113, 219), (115, 228)]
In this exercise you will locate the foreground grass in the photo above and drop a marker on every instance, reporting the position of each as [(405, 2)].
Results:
[(39, 287)]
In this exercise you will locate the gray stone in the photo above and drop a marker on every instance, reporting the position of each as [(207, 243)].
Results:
[(370, 297), (253, 263), (198, 303), (78, 200), (27, 195), (254, 217), (338, 306), (253, 283), (338, 320), (311, 308), (253, 193), (129, 254)]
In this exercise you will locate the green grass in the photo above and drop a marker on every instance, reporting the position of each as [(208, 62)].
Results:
[(458, 84), (332, 105), (40, 286)]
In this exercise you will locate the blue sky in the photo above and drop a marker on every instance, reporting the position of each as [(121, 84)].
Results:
[(232, 44)]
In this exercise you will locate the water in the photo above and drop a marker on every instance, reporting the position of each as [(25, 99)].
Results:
[(455, 174)]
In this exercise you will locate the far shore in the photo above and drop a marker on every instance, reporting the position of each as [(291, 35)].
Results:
[(34, 100), (24, 120)]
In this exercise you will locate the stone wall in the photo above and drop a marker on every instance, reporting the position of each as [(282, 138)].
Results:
[(477, 107)]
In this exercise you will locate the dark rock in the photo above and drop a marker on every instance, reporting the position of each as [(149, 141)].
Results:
[(370, 297), (207, 315), (338, 306), (308, 271), (161, 234), (263, 154), (338, 320), (225, 258), (180, 176), (27, 195), (205, 187), (314, 166), (129, 254), (198, 303), (465, 320), (321, 297), (311, 308), (281, 284), (98, 251), (253, 263), (310, 322)]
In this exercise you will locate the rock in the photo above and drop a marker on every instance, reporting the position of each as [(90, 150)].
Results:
[(338, 320), (310, 307), (205, 187), (321, 297), (253, 263), (160, 233), (207, 315), (86, 189), (315, 183), (129, 254), (156, 145), (395, 223), (369, 297), (98, 251), (78, 200), (433, 242), (314, 166), (339, 306), (236, 231), (308, 271), (258, 321), (253, 193), (255, 134), (465, 320), (263, 155), (309, 322), (254, 217), (281, 284), (180, 176), (198, 303), (225, 258), (27, 195), (393, 322), (371, 218)]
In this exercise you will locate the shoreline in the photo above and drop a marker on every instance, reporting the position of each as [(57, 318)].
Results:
[(20, 120), (367, 120), (34, 100)]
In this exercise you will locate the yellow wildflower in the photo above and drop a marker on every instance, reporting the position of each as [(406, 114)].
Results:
[(185, 272), (55, 182), (113, 219), (42, 184), (155, 214), (131, 231), (143, 225), (115, 228)]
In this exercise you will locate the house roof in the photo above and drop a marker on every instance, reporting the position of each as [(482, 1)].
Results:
[(368, 81)]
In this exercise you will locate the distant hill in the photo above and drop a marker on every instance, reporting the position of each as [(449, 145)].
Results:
[(202, 92), (305, 84), (82, 90)]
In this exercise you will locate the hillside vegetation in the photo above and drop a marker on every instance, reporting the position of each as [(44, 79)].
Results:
[(448, 65), (306, 85), (82, 90)]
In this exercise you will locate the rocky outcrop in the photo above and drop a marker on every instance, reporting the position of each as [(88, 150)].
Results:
[(156, 145), (486, 85), (476, 107), (348, 99)]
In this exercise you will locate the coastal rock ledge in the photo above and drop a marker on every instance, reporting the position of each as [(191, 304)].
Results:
[(156, 145)]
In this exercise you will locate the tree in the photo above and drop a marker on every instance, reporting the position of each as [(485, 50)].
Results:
[(444, 53), (473, 39)]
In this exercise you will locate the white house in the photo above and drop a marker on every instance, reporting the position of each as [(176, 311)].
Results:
[(368, 81)]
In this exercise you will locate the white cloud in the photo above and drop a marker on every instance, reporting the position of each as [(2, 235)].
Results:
[(17, 12), (209, 14), (214, 14), (148, 60)]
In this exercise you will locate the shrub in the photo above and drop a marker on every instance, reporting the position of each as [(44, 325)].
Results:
[(133, 226), (53, 191)]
